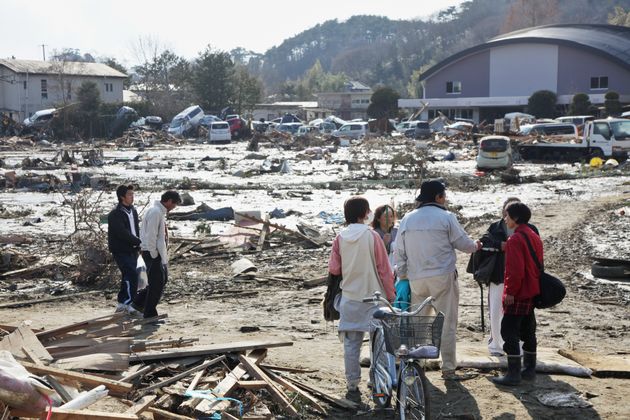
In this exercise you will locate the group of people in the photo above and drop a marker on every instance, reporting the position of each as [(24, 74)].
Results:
[(418, 260), (128, 240)]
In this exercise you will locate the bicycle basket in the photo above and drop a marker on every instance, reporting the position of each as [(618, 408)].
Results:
[(412, 331)]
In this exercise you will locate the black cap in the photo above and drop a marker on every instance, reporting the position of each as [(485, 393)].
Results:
[(428, 191)]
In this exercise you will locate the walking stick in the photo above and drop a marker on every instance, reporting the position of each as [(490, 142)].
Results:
[(483, 323)]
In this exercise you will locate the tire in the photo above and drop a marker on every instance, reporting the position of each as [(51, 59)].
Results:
[(413, 393), (605, 271), (382, 385)]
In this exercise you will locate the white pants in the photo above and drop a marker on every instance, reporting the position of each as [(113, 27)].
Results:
[(445, 290), (495, 310)]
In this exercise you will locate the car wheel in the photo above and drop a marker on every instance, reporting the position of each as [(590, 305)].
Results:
[(604, 271)]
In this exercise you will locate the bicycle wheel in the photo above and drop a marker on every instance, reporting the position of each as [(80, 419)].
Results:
[(413, 393), (380, 369)]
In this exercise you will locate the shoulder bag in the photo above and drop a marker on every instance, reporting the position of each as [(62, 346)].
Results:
[(552, 291)]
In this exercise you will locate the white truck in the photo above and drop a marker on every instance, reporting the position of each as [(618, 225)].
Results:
[(602, 138)]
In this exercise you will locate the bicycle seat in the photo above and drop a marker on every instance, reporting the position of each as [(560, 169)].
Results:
[(424, 352)]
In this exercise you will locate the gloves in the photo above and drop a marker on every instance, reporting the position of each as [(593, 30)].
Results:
[(403, 295)]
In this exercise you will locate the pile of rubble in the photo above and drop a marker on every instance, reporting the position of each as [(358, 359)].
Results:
[(68, 369)]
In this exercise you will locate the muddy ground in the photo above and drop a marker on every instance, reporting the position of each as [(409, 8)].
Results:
[(577, 210)]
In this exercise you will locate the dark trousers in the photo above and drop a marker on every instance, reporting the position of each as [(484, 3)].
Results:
[(157, 274), (127, 264), (515, 328)]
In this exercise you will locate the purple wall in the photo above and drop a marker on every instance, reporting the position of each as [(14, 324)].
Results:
[(577, 66), (474, 73)]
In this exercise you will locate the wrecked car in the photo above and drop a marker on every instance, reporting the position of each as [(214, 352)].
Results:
[(40, 118), (186, 122), (354, 130), (494, 153), (122, 121), (219, 132)]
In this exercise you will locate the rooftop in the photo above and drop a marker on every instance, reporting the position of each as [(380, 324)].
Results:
[(72, 68)]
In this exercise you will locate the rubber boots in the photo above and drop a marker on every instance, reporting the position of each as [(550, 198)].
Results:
[(529, 362), (513, 375)]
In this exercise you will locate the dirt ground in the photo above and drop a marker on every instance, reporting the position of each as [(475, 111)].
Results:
[(573, 231)]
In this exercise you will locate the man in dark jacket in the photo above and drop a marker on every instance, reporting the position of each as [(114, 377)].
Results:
[(123, 238)]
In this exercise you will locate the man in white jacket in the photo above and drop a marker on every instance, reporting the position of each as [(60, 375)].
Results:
[(427, 239), (154, 237)]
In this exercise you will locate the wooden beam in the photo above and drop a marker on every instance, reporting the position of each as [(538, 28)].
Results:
[(195, 381), (235, 347), (286, 368), (334, 400), (130, 377), (290, 387), (280, 227), (65, 414), (251, 384), (141, 405), (23, 343), (167, 414), (276, 393), (102, 320), (263, 234), (115, 387), (184, 374)]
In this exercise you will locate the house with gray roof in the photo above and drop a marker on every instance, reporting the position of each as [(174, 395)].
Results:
[(27, 86), (488, 80)]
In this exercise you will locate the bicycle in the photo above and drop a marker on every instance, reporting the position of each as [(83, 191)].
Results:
[(412, 338)]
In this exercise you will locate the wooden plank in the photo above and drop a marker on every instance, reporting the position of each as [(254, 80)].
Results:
[(184, 374), (235, 347), (602, 365), (141, 405), (290, 387), (71, 343), (115, 387), (65, 414), (130, 377), (45, 300), (332, 399), (116, 345), (27, 270), (167, 414), (280, 227), (114, 362), (226, 386), (263, 234), (24, 338), (251, 384), (195, 381), (276, 393), (287, 369), (102, 320), (11, 328)]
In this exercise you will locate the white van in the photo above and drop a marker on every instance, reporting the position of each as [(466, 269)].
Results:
[(559, 131), (355, 130), (575, 119), (219, 132), (187, 120)]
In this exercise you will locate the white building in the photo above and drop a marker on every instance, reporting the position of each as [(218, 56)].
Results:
[(27, 86)]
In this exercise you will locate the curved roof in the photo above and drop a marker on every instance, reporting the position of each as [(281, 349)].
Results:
[(609, 41)]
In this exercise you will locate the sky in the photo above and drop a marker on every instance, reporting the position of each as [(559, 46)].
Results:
[(112, 28)]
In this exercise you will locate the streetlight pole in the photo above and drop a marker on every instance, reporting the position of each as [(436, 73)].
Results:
[(43, 51)]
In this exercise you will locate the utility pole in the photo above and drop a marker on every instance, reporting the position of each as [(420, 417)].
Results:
[(43, 50)]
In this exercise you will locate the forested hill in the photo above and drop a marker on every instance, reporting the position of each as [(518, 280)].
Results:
[(377, 50)]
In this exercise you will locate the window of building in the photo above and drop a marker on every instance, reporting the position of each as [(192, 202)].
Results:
[(109, 87), (599, 82), (25, 85), (44, 89), (452, 113), (454, 87)]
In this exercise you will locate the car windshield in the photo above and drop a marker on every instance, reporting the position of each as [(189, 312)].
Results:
[(621, 129), (526, 129), (494, 145), (220, 125), (177, 122)]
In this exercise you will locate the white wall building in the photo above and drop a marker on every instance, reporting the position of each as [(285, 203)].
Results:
[(27, 86)]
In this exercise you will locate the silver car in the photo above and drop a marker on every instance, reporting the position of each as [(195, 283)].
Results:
[(494, 153)]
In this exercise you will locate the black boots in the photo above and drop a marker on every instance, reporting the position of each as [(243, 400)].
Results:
[(513, 376), (529, 362)]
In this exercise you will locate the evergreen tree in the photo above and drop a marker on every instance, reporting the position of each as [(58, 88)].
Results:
[(213, 79), (542, 104)]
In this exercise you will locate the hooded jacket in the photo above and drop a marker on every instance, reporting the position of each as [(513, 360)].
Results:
[(119, 237), (350, 257)]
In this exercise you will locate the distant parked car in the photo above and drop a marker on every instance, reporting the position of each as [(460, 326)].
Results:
[(405, 125), (494, 153), (306, 129), (219, 132), (186, 122), (238, 128), (291, 127), (355, 130)]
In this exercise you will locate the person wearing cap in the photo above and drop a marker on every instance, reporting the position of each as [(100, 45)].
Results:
[(427, 239), (123, 240)]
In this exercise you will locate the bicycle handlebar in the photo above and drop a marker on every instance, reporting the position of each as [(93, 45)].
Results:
[(378, 298)]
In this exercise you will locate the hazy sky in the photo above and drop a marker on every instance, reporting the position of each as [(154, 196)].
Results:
[(112, 27)]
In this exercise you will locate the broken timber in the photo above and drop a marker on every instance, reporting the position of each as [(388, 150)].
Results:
[(282, 228)]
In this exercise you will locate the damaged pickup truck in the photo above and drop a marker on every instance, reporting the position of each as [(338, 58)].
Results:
[(602, 138)]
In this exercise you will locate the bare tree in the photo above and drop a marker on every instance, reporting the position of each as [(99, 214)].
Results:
[(529, 13)]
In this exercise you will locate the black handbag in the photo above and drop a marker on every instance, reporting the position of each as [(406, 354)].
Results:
[(552, 291), (332, 290)]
